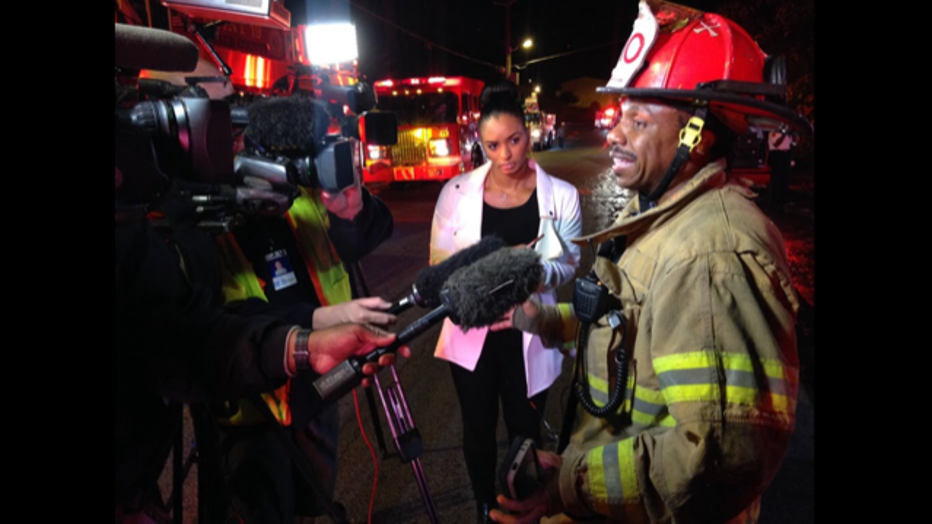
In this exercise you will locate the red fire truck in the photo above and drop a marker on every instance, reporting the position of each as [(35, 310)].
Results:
[(437, 130), (265, 60)]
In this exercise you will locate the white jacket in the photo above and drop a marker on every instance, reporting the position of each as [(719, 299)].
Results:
[(458, 224)]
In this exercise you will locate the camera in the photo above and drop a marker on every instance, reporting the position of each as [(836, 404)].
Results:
[(160, 136)]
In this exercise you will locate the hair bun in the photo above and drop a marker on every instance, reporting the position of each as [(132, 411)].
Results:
[(501, 96)]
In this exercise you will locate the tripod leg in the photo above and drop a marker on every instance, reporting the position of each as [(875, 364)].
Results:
[(376, 422), (178, 474), (425, 491), (407, 440)]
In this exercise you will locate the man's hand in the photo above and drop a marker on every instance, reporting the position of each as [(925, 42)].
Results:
[(328, 347), (346, 204), (538, 505), (360, 311)]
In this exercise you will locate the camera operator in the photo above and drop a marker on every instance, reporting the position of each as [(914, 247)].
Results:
[(172, 340), (173, 343), (295, 267)]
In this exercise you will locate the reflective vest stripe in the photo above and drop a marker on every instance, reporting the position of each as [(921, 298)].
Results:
[(239, 283), (308, 218), (611, 474)]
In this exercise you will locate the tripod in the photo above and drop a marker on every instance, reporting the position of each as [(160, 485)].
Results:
[(406, 436)]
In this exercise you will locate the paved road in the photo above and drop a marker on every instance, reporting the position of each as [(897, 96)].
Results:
[(429, 389)]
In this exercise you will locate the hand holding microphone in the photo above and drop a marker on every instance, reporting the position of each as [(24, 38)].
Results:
[(369, 310), (328, 347)]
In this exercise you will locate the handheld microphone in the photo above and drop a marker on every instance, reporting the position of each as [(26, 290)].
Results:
[(156, 49), (474, 296), (426, 290)]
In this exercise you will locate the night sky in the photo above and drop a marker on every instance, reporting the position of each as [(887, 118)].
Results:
[(592, 31)]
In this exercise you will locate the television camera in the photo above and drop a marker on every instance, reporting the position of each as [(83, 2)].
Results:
[(174, 138)]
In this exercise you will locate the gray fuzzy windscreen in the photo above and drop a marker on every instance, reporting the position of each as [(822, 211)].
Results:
[(431, 280), (469, 287), (290, 125)]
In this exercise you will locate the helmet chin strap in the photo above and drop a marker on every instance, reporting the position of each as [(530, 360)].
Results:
[(690, 136)]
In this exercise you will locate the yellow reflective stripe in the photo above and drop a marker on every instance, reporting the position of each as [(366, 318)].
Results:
[(737, 361), (629, 481), (753, 397), (596, 474), (598, 384), (309, 221), (735, 395), (569, 322), (650, 395), (239, 282), (612, 476), (645, 419)]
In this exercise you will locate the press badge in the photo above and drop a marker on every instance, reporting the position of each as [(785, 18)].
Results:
[(280, 268)]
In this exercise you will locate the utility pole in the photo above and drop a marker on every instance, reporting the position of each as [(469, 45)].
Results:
[(508, 48)]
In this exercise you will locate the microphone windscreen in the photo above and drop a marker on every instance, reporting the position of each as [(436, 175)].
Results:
[(430, 280), (156, 49), (471, 288), (288, 125)]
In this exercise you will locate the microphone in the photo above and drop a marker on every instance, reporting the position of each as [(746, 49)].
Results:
[(155, 49), (291, 125), (474, 296), (426, 290)]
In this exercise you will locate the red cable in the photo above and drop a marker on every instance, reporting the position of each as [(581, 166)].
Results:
[(375, 480)]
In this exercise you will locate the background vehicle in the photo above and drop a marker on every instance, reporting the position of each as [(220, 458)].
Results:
[(605, 118), (541, 125), (437, 132)]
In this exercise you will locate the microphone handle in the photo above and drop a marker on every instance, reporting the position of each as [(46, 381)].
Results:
[(402, 305), (348, 374)]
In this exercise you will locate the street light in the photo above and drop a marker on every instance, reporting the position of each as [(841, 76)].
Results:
[(527, 44)]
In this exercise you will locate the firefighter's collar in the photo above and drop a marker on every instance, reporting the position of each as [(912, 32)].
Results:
[(632, 218)]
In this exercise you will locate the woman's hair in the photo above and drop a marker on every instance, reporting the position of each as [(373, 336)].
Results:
[(500, 98)]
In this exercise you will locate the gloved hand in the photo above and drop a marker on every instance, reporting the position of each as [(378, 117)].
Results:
[(359, 311), (346, 204)]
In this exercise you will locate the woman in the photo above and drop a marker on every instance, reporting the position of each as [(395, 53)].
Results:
[(513, 198)]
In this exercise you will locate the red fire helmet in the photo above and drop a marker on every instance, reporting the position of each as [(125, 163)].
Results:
[(675, 52)]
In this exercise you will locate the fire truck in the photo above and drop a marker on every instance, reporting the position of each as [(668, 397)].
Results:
[(542, 126), (263, 60), (437, 130)]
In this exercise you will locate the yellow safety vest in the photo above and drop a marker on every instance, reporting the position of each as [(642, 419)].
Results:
[(309, 223)]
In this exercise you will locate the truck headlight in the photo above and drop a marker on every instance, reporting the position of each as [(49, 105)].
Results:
[(440, 147), (377, 152)]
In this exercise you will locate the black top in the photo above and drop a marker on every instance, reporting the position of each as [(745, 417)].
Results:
[(517, 225)]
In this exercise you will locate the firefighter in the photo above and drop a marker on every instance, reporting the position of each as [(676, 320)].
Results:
[(687, 371)]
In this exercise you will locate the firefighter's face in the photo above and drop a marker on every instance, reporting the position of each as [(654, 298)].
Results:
[(644, 142), (506, 142)]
